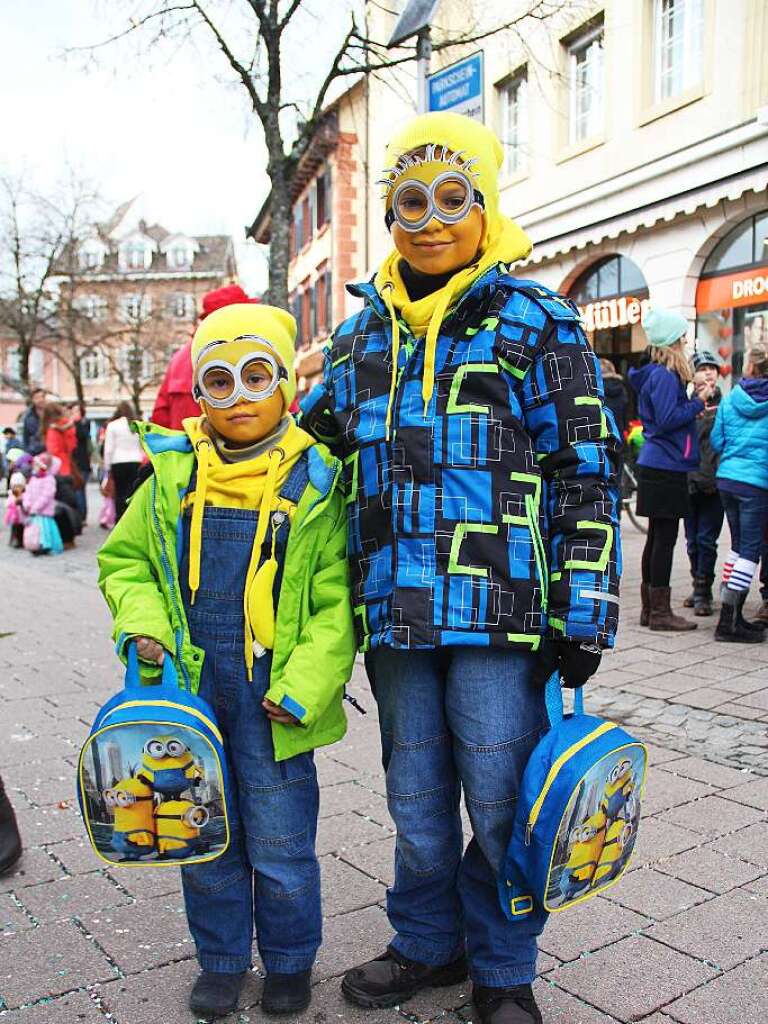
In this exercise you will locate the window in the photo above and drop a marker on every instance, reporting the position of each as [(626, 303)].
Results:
[(298, 228), (744, 246), (328, 301), (313, 317), (91, 257), (94, 367), (181, 305), (323, 199), (306, 314), (608, 278), (136, 363), (513, 117), (296, 308), (135, 307), (586, 84), (135, 257), (13, 363), (92, 306), (179, 257), (321, 324), (678, 30)]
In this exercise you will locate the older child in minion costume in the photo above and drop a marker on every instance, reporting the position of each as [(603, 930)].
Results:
[(232, 559), (467, 406)]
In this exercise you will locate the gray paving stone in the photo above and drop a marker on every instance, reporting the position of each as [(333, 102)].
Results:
[(161, 995), (588, 927), (737, 997), (706, 697), (705, 771), (758, 699), (657, 839), (24, 752), (663, 790), (559, 1007), (79, 896), (632, 978), (12, 918), (143, 884), (754, 794), (56, 959), (662, 755), (76, 856), (375, 859), (710, 870), (351, 888), (657, 895), (331, 772), (44, 825), (750, 843), (724, 931), (143, 935), (351, 939), (34, 867), (758, 886), (342, 832), (73, 1008), (712, 816), (349, 796)]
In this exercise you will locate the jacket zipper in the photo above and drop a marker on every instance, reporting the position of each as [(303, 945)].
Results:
[(171, 584), (532, 514), (566, 755)]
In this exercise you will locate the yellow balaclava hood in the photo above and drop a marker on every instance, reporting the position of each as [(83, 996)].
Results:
[(503, 241), (274, 325)]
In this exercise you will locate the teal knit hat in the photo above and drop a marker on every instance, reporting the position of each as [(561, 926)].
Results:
[(663, 327)]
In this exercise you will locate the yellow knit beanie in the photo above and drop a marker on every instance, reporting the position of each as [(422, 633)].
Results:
[(275, 326)]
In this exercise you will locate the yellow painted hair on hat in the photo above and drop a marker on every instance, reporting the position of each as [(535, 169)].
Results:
[(276, 326)]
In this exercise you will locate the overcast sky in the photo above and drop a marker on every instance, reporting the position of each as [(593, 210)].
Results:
[(184, 142)]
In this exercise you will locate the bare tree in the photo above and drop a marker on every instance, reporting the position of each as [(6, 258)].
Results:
[(252, 37), (138, 353)]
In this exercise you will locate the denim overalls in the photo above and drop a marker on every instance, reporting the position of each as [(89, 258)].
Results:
[(269, 876)]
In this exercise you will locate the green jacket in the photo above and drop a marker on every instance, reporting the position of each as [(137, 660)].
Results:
[(314, 634)]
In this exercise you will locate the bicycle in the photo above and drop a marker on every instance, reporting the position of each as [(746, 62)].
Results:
[(629, 497)]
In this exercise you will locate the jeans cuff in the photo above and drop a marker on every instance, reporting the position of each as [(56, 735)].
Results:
[(224, 963), (279, 963), (422, 953), (504, 977)]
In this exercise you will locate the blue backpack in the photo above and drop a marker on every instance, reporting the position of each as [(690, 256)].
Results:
[(152, 775), (577, 814)]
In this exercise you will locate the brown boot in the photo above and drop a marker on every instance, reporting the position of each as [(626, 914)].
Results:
[(663, 618), (645, 606), (762, 614)]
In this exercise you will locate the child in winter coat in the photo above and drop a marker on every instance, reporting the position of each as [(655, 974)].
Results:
[(15, 516), (484, 550), (41, 534), (740, 438), (232, 560), (705, 519)]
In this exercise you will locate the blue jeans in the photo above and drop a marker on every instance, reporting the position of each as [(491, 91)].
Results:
[(702, 531), (747, 519), (451, 718), (81, 495), (269, 876)]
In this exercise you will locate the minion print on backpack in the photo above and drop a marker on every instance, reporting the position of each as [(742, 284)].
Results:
[(179, 823), (168, 766), (587, 843), (131, 801), (619, 787)]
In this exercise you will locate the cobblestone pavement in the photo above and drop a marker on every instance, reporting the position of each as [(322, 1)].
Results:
[(681, 940)]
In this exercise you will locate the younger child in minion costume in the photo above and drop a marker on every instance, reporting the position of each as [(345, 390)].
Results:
[(231, 558), (479, 466)]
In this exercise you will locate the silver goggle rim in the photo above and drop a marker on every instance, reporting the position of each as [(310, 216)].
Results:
[(196, 817), (474, 198), (165, 752), (240, 391)]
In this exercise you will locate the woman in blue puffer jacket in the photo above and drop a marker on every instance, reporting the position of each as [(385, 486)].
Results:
[(740, 437)]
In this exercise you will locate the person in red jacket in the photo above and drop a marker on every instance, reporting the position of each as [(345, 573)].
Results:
[(57, 431), (174, 402)]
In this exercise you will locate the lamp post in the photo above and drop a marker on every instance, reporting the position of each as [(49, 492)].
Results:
[(415, 21)]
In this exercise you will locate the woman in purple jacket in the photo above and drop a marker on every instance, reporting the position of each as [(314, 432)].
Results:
[(670, 451)]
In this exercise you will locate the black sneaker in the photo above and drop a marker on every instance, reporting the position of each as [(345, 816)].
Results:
[(392, 978), (215, 994), (10, 840), (513, 1005), (287, 993)]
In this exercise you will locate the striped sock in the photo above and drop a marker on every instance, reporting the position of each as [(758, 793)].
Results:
[(742, 575), (728, 565)]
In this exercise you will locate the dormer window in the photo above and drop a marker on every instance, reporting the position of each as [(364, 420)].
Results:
[(91, 255), (135, 252), (179, 257), (179, 251), (135, 256)]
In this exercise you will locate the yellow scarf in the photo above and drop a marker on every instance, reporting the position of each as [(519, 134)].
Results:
[(253, 484), (506, 243)]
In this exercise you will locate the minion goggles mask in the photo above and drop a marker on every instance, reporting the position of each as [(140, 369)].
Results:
[(433, 186), (223, 384)]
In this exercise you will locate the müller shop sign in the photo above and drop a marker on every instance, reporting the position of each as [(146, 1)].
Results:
[(610, 313)]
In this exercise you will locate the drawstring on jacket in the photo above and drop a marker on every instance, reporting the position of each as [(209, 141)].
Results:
[(386, 294), (203, 448)]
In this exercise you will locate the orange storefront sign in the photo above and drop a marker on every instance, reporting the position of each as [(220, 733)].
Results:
[(747, 288)]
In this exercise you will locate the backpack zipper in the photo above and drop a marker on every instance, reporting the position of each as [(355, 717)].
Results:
[(166, 704)]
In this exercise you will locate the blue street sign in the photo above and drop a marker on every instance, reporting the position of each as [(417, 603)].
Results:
[(459, 87)]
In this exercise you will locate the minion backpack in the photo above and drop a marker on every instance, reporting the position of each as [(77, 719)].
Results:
[(152, 776), (577, 813)]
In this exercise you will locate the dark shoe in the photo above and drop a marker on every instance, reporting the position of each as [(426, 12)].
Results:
[(732, 627), (645, 604), (10, 840), (762, 614), (662, 618), (392, 978), (514, 1005), (702, 595), (689, 602), (215, 994), (287, 993)]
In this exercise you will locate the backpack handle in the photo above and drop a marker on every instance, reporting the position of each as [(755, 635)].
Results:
[(553, 698), (133, 676)]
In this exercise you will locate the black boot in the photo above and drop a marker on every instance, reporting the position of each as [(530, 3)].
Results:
[(392, 978), (731, 628), (215, 994), (690, 601), (287, 993), (757, 626), (513, 1005), (10, 840), (702, 595)]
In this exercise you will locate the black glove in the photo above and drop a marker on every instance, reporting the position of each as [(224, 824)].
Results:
[(574, 661)]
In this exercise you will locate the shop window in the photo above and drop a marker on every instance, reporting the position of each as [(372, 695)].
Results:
[(586, 83), (613, 276), (513, 126), (678, 29), (744, 246)]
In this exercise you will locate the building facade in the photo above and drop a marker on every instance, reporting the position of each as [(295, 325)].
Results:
[(126, 298)]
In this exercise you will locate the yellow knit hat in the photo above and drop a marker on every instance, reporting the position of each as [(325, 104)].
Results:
[(274, 325)]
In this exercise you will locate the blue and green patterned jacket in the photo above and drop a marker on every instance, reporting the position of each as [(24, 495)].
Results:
[(493, 520)]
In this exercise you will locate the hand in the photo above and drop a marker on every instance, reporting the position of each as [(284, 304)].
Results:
[(277, 714), (150, 650), (567, 657)]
